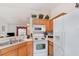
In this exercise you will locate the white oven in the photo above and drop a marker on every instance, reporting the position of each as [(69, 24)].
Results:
[(40, 48), (40, 42)]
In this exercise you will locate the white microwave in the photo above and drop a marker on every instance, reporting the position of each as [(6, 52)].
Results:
[(39, 28)]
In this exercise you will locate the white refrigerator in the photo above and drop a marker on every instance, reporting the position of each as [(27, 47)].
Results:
[(66, 35)]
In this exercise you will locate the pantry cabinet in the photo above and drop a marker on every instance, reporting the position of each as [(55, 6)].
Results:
[(47, 23), (50, 48)]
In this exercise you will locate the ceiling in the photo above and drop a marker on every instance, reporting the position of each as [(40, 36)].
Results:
[(30, 5)]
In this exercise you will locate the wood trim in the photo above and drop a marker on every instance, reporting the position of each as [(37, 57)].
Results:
[(61, 14)]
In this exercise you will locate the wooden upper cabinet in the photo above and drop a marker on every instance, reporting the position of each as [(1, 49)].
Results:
[(47, 23), (51, 26)]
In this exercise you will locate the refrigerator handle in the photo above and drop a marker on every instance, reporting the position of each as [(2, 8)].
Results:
[(57, 37)]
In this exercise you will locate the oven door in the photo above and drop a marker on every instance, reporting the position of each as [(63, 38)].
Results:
[(40, 46)]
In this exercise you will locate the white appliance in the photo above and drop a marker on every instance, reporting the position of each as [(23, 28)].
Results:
[(40, 48), (40, 42), (66, 34), (38, 28), (58, 36)]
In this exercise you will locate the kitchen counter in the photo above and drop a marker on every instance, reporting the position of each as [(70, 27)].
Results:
[(9, 45), (26, 40)]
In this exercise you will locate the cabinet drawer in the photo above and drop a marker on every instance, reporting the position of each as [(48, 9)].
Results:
[(5, 50)]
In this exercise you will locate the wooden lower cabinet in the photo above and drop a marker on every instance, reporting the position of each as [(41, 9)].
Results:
[(22, 49), (50, 48), (29, 48), (25, 49), (10, 53)]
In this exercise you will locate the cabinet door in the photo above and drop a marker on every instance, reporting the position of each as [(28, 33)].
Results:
[(50, 53), (10, 53), (29, 48), (50, 49), (36, 21), (22, 51), (50, 26)]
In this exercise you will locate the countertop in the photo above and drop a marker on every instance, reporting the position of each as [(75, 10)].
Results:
[(26, 40)]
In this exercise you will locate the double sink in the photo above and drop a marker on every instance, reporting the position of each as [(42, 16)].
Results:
[(4, 42)]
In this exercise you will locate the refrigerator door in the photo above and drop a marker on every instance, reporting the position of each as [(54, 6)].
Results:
[(58, 37), (71, 25), (66, 34)]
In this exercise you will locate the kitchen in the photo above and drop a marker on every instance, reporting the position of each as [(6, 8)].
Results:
[(33, 29), (25, 33)]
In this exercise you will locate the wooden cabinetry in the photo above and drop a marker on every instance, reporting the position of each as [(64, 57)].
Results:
[(22, 49), (29, 48), (10, 51), (47, 23), (50, 48)]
